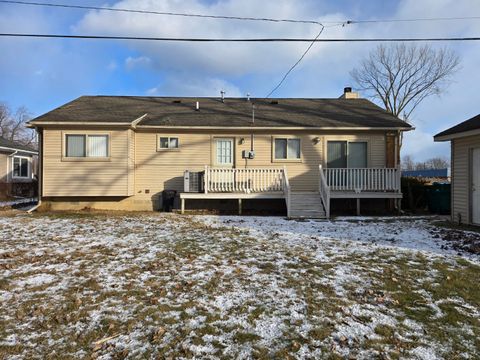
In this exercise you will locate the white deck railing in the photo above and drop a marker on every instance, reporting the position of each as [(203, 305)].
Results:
[(324, 191), (250, 180), (363, 179), (286, 190)]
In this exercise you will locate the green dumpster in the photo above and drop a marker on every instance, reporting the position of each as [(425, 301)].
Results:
[(438, 198)]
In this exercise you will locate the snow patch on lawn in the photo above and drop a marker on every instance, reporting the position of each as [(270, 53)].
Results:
[(36, 280), (214, 286), (390, 232)]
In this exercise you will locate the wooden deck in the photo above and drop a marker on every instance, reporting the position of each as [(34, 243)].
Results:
[(273, 183)]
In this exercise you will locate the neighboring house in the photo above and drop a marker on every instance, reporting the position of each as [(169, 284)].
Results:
[(430, 176), (17, 169), (465, 153), (121, 152)]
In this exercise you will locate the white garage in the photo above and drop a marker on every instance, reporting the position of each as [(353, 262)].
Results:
[(465, 150)]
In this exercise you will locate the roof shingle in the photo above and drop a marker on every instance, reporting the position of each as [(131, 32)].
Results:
[(233, 112), (468, 125), (14, 145)]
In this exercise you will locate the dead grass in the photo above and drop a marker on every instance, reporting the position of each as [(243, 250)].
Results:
[(174, 287)]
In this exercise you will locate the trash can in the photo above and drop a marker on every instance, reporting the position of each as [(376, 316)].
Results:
[(438, 198), (168, 198)]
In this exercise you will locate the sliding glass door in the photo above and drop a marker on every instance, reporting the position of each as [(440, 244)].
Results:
[(345, 154)]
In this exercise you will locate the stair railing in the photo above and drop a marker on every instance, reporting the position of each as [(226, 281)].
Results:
[(286, 189), (324, 191)]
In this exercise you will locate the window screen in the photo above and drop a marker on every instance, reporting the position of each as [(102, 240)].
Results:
[(97, 145), (75, 146), (168, 143), (287, 149), (293, 146), (357, 155), (280, 148), (20, 167)]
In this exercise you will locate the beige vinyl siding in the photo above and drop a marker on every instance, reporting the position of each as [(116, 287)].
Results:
[(85, 177), (159, 170), (4, 167), (139, 168), (163, 169), (131, 163), (461, 153)]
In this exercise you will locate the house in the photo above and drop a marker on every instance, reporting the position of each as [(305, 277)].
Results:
[(465, 158), (17, 169), (430, 176), (122, 152)]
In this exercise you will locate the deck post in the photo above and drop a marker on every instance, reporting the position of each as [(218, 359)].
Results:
[(358, 206), (182, 206), (239, 206), (206, 180)]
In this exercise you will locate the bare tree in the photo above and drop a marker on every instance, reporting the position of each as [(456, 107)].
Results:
[(401, 76), (408, 163), (437, 163), (13, 125)]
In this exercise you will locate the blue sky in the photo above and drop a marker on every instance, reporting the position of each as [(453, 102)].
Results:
[(43, 73)]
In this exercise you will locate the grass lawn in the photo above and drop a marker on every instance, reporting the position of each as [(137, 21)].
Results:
[(115, 286)]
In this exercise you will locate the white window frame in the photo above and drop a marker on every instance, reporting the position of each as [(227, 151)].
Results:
[(275, 159), (29, 167), (169, 148), (348, 149), (86, 157)]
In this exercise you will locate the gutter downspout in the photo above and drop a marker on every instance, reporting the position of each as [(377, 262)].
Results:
[(40, 170), (252, 147)]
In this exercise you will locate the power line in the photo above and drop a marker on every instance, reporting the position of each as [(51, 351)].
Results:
[(173, 39), (167, 13), (226, 17), (298, 62), (413, 20)]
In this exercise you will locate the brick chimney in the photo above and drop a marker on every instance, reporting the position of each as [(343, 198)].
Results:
[(349, 94)]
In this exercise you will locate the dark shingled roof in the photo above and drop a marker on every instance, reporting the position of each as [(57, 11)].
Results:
[(234, 112), (14, 145), (468, 125)]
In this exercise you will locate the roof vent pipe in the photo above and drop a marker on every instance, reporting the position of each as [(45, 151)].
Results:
[(222, 93), (197, 106), (248, 96)]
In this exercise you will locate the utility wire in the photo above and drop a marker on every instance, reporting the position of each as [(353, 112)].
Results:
[(225, 17), (298, 62), (314, 40), (102, 8), (413, 20)]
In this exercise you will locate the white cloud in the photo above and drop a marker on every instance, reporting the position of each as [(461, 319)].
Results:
[(135, 62), (219, 58), (74, 68), (323, 73), (112, 65), (188, 86)]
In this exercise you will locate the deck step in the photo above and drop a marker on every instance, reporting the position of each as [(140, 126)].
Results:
[(306, 205)]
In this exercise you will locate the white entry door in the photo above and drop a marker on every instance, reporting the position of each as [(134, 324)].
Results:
[(476, 186)]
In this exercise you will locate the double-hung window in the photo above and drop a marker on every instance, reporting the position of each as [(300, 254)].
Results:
[(287, 149), (90, 146), (21, 167)]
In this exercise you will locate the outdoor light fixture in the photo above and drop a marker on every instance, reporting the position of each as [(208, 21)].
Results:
[(316, 140), (242, 141)]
